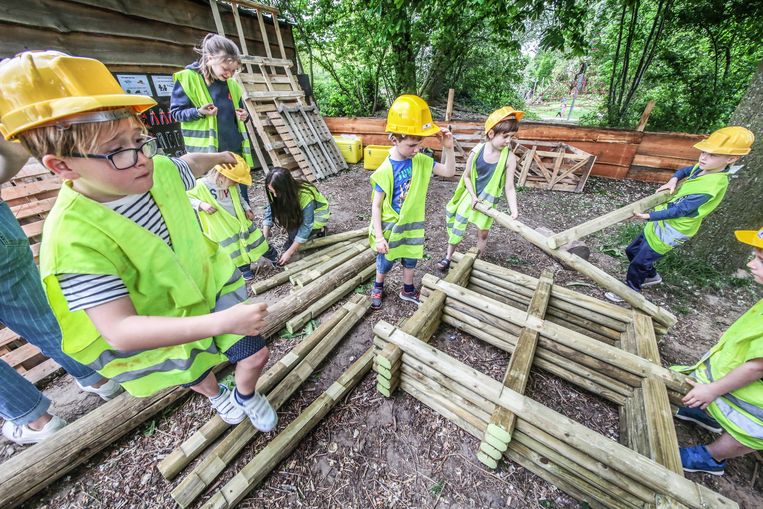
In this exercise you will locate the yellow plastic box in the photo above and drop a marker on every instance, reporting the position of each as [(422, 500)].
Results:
[(351, 148), (374, 155)]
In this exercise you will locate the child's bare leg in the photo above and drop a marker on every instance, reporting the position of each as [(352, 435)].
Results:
[(208, 386), (380, 277), (249, 369), (482, 240), (451, 249), (408, 276), (725, 447)]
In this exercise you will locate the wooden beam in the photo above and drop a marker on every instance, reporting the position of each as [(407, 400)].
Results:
[(449, 108), (502, 422), (603, 279), (607, 220), (645, 115)]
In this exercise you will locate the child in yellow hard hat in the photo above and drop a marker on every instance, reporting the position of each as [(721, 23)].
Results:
[(141, 295), (227, 219), (297, 206), (489, 169), (400, 187), (703, 187), (727, 397)]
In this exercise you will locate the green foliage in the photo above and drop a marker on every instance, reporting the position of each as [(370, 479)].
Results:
[(437, 488), (150, 428), (616, 242)]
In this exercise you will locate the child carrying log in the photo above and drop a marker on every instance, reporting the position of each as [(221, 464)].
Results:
[(727, 397), (489, 169), (296, 205), (670, 225), (227, 219), (141, 295), (400, 187)]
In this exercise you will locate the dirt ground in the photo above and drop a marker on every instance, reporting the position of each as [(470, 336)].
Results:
[(376, 452)]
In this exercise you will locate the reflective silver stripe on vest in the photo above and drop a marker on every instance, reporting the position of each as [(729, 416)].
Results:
[(750, 427), (388, 226), (417, 241), (199, 133), (489, 198), (400, 228), (236, 236), (751, 409), (111, 355), (210, 148), (164, 366), (245, 148), (229, 299), (669, 235), (235, 254)]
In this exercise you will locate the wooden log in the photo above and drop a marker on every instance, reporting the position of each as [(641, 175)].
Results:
[(449, 107), (607, 220), (329, 300), (194, 445), (285, 442), (603, 279), (286, 308), (663, 442), (645, 115), (333, 239), (210, 467), (630, 463), (502, 422), (293, 268), (574, 340), (28, 472), (633, 415), (311, 274)]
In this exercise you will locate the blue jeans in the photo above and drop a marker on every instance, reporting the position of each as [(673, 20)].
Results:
[(24, 309), (383, 265), (642, 258)]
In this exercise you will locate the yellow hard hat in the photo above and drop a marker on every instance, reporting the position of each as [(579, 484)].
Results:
[(731, 141), (502, 114), (410, 114), (40, 87), (238, 172), (751, 237)]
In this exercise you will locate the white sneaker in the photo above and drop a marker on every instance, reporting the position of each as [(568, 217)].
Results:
[(228, 410), (612, 297), (652, 281), (107, 391), (258, 408), (24, 435)]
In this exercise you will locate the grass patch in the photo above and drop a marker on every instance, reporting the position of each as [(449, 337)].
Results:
[(616, 243), (437, 488), (678, 269), (515, 261)]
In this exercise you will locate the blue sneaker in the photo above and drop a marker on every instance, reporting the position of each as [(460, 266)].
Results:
[(699, 417), (698, 459)]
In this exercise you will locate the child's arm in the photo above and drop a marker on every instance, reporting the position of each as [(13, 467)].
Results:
[(13, 157), (267, 220), (303, 233), (671, 184), (467, 176), (376, 208), (703, 394), (201, 162), (511, 191), (125, 330), (449, 168)]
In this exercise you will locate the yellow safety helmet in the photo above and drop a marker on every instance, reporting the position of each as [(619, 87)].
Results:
[(410, 114), (238, 172), (751, 237), (41, 87), (502, 114), (731, 141)]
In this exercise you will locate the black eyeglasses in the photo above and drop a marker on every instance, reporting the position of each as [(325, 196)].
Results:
[(128, 157)]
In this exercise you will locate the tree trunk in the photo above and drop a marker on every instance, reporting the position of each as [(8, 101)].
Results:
[(741, 209)]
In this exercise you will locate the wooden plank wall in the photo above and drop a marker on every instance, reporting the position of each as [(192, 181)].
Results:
[(620, 153), (135, 35)]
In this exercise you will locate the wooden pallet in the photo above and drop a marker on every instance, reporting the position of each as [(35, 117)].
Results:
[(293, 134), (30, 196), (552, 166)]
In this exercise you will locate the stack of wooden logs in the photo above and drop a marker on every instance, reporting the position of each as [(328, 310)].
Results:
[(278, 384), (582, 462)]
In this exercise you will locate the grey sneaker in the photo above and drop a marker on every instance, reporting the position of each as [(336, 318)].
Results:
[(107, 391), (258, 408), (652, 281), (612, 297), (24, 435), (377, 295), (226, 409)]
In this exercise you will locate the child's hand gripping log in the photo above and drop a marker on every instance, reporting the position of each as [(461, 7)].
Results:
[(247, 318)]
